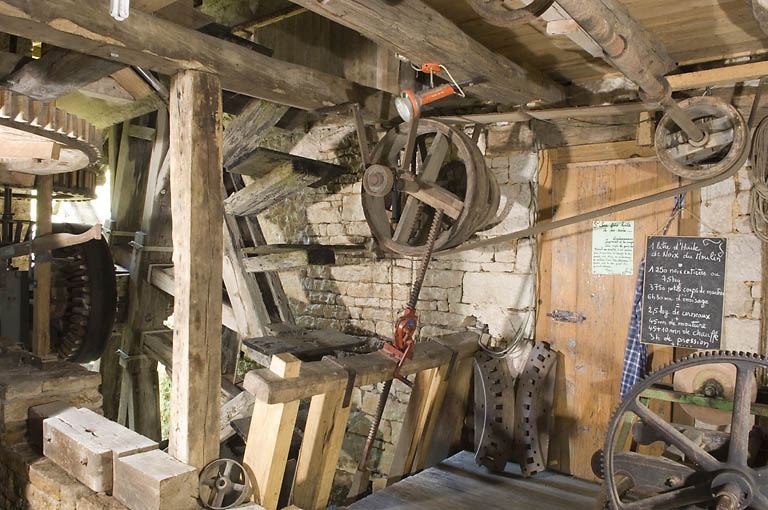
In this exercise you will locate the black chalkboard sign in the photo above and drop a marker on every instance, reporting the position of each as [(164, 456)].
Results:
[(683, 291)]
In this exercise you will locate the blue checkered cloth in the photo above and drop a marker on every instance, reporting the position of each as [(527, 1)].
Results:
[(636, 353)]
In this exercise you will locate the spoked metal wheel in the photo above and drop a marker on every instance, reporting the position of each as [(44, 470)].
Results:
[(224, 483), (725, 145), (725, 473), (447, 173)]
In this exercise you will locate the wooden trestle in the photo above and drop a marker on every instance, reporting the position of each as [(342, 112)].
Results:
[(443, 366)]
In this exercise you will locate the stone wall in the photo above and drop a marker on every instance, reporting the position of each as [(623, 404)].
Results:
[(364, 294), (23, 386), (30, 481), (27, 479), (724, 213)]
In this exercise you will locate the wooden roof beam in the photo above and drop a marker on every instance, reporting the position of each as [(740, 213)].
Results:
[(167, 48), (420, 33)]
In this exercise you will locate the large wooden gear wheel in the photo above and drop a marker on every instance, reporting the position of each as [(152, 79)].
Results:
[(36, 138), (27, 121), (447, 168)]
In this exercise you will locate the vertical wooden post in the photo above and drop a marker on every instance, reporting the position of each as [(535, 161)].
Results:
[(446, 439), (41, 330), (269, 437), (197, 212), (419, 422), (320, 450)]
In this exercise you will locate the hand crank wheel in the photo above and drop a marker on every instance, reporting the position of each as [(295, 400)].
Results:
[(450, 175), (224, 483), (722, 470), (726, 144)]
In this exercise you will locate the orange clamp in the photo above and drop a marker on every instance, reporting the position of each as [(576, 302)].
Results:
[(430, 67)]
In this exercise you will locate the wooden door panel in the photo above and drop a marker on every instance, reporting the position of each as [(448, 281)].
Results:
[(591, 352)]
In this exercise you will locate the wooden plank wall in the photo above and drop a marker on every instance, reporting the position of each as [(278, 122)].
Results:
[(591, 352)]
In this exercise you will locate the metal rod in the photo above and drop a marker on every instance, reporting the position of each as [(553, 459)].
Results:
[(430, 245), (153, 82), (694, 132)]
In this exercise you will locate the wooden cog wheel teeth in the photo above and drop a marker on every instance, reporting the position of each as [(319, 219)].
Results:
[(494, 450), (533, 406), (46, 120), (85, 297)]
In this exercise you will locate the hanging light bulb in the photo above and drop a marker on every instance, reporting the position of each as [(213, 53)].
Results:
[(119, 9)]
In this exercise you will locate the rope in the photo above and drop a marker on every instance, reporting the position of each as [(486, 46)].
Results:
[(758, 200)]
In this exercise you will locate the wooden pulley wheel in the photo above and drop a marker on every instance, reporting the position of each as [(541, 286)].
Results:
[(712, 380), (447, 172), (725, 146)]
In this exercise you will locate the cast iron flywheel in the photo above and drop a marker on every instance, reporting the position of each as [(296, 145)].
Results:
[(698, 469)]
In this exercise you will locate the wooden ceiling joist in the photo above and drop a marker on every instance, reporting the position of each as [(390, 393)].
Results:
[(422, 34), (150, 6), (167, 48)]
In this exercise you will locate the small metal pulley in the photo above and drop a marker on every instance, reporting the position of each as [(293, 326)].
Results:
[(224, 483)]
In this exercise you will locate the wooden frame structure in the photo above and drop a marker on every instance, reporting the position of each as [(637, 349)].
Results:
[(440, 367)]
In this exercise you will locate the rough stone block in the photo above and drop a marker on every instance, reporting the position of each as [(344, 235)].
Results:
[(352, 208), (12, 433), (515, 290), (56, 483), (743, 199), (99, 501), (19, 382), (154, 480), (717, 207), (85, 445), (741, 335), (37, 499), (738, 299), (523, 167), (17, 459), (742, 261), (36, 415)]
